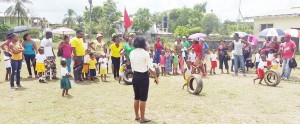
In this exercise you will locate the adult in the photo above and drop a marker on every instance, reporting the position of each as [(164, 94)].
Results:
[(247, 48), (178, 46), (48, 51), (186, 44), (30, 49), (6, 43), (78, 55), (267, 46), (197, 47), (66, 47), (141, 63), (128, 47), (205, 50), (158, 47), (222, 53), (237, 45), (16, 50), (288, 53), (115, 50), (99, 48)]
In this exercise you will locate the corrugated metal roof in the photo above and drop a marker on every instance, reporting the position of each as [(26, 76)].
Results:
[(293, 12)]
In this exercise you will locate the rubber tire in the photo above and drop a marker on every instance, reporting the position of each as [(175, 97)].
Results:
[(128, 81), (199, 82), (268, 75), (157, 71)]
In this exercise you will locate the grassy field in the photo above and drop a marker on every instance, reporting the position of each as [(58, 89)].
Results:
[(224, 99)]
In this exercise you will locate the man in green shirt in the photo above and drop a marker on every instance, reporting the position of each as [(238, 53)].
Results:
[(186, 45)]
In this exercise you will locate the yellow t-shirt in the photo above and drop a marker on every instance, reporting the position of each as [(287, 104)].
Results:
[(16, 56), (92, 63), (115, 51), (122, 68), (79, 46)]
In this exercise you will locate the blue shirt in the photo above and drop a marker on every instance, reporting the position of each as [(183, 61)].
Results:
[(204, 48), (29, 48)]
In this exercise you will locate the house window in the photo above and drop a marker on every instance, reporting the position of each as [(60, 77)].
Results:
[(264, 26)]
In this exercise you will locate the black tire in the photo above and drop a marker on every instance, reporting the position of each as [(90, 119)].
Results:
[(272, 78), (127, 78), (157, 71), (195, 79)]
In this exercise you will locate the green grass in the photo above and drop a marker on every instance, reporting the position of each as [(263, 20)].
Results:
[(224, 99)]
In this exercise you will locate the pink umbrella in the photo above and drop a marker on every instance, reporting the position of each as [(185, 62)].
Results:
[(253, 40), (197, 35)]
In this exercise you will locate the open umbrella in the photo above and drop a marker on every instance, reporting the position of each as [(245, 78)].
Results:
[(271, 32), (241, 34), (18, 29), (63, 30), (197, 36), (293, 32), (252, 39)]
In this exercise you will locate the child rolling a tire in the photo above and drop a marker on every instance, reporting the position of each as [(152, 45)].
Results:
[(260, 69), (187, 73)]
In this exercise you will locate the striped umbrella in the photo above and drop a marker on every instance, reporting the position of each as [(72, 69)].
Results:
[(271, 32), (197, 36), (293, 32)]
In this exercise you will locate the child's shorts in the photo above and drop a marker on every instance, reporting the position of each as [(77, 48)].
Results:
[(85, 68), (186, 78), (8, 69), (175, 65), (213, 64), (40, 67), (275, 67), (121, 74), (103, 71), (92, 72), (260, 73)]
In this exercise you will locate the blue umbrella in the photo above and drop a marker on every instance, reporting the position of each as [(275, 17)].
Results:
[(271, 32), (18, 29)]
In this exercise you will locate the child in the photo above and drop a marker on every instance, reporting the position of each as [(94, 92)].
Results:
[(40, 60), (257, 58), (103, 67), (260, 69), (181, 62), (85, 69), (192, 57), (270, 58), (187, 73), (65, 83), (122, 70), (213, 60), (275, 62), (162, 63), (92, 65), (175, 63), (7, 65), (169, 62)]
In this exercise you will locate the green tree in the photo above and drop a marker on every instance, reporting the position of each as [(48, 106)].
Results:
[(195, 30), (17, 9), (142, 20), (79, 20), (70, 18), (3, 30), (181, 31), (210, 23)]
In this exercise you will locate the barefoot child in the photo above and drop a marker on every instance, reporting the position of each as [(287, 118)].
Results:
[(192, 57), (175, 63), (7, 65), (162, 63), (40, 60), (122, 70), (85, 69), (169, 62), (270, 58), (103, 67), (260, 69), (187, 73), (65, 83), (257, 58), (92, 65), (213, 60)]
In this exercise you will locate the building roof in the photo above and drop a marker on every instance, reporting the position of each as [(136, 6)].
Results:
[(2, 14), (292, 12)]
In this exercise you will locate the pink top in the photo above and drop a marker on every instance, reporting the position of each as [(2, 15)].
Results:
[(181, 62), (163, 59), (67, 51), (7, 42), (287, 49)]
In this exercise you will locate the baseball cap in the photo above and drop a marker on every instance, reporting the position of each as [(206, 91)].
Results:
[(99, 35), (288, 35)]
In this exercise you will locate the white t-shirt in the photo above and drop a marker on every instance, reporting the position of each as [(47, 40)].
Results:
[(276, 61), (238, 47), (270, 56), (86, 45), (232, 55), (257, 57), (188, 71), (86, 58), (193, 57), (213, 57), (7, 61), (40, 58), (104, 64), (64, 71), (261, 65), (47, 44)]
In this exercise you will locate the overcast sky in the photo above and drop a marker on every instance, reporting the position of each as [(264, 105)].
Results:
[(54, 10)]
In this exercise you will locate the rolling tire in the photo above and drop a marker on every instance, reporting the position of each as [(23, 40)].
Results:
[(195, 79), (127, 78), (157, 71), (271, 74)]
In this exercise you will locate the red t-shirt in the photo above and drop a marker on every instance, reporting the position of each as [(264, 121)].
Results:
[(158, 46), (287, 49), (198, 49)]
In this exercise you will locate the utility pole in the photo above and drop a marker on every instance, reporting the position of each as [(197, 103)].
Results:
[(91, 5)]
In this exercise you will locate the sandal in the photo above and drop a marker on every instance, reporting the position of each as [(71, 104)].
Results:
[(137, 119), (145, 120)]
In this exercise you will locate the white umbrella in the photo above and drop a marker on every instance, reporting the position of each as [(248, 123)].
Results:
[(241, 34), (293, 32), (63, 30)]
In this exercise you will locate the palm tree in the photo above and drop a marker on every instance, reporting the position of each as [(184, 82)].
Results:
[(79, 20), (17, 9), (70, 18)]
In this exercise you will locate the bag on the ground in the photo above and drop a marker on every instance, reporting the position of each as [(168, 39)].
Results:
[(292, 63)]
